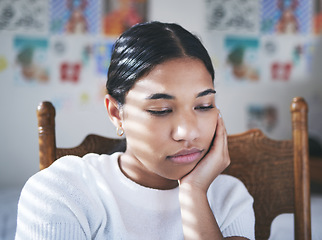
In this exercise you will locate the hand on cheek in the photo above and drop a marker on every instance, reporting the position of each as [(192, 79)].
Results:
[(215, 161)]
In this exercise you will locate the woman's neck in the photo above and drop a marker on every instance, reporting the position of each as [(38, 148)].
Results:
[(137, 172)]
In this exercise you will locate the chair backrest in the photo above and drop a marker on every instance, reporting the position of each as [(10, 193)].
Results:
[(276, 173)]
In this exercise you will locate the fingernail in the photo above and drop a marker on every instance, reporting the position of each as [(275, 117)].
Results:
[(217, 107), (220, 115)]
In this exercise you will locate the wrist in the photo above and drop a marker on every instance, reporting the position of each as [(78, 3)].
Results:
[(192, 191), (199, 185)]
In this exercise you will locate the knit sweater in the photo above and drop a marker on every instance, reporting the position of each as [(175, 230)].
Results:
[(90, 198)]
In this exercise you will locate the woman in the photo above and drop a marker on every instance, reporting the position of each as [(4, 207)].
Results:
[(168, 182)]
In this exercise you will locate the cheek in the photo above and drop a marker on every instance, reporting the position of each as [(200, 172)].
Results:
[(145, 134), (157, 135), (208, 127)]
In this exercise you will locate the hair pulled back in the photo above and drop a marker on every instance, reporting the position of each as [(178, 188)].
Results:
[(146, 45)]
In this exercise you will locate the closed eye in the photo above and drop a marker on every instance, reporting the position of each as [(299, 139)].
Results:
[(204, 107), (159, 112)]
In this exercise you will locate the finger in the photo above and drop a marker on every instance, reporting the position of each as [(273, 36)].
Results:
[(223, 129), (224, 141), (220, 131)]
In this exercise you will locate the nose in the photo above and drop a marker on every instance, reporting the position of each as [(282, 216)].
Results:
[(185, 127)]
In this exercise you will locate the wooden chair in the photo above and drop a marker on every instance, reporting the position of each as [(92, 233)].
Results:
[(276, 173)]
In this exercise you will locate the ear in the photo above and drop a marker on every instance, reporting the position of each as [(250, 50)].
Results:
[(113, 110)]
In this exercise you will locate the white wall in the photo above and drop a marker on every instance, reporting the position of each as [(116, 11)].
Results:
[(18, 128)]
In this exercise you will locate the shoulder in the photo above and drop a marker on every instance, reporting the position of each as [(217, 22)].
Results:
[(71, 170), (69, 178), (71, 165), (65, 192)]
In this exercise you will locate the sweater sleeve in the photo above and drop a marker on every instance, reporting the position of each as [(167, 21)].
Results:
[(232, 206), (52, 204), (243, 225)]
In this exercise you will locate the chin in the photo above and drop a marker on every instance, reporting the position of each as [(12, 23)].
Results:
[(183, 174)]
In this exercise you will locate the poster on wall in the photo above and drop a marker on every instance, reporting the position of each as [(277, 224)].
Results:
[(31, 60), (102, 53), (79, 64), (286, 16), (75, 16), (120, 15), (286, 62), (242, 59), (262, 116), (24, 15), (317, 18), (234, 15), (3, 63), (72, 58)]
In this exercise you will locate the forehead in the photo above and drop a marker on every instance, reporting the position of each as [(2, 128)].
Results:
[(175, 77)]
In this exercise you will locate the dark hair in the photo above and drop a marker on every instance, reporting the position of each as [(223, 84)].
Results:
[(146, 45)]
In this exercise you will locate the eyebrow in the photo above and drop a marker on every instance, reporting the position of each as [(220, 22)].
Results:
[(159, 96), (156, 96), (206, 92)]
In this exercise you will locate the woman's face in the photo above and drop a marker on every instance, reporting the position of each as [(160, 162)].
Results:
[(169, 118)]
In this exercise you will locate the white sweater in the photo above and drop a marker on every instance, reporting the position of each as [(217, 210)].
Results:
[(90, 198)]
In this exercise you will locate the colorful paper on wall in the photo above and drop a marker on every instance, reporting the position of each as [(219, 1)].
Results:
[(70, 72), (103, 53), (25, 15), (263, 117), (286, 62), (59, 47), (317, 17), (286, 16), (75, 16), (120, 15), (242, 59), (72, 59), (31, 60), (3, 63), (86, 54), (236, 15)]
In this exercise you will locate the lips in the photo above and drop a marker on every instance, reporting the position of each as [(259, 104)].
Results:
[(186, 156)]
